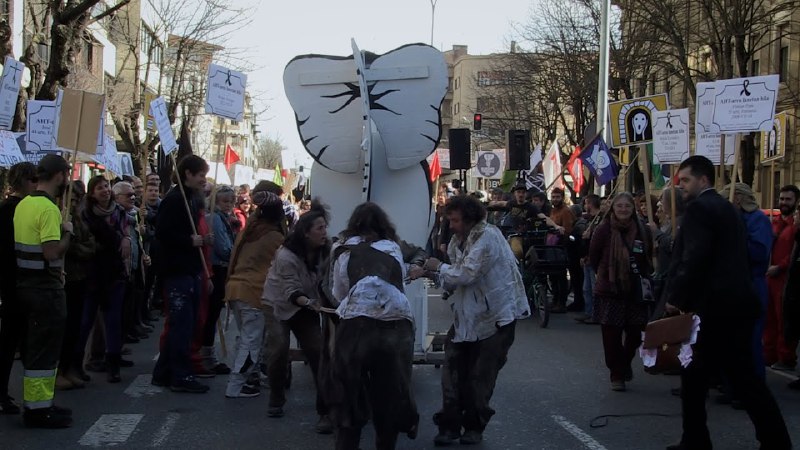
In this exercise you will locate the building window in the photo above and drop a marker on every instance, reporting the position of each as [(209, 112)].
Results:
[(783, 62), (756, 67), (87, 54), (493, 78)]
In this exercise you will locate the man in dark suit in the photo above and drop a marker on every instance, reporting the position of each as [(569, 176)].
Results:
[(709, 277)]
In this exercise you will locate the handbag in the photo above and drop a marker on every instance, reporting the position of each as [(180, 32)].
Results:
[(666, 336)]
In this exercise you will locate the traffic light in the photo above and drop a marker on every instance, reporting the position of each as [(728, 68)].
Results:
[(476, 122)]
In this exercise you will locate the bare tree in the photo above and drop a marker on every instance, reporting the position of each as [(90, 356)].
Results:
[(268, 152)]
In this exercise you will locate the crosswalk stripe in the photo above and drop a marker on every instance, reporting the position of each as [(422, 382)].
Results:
[(111, 429), (579, 434), (166, 428), (141, 387)]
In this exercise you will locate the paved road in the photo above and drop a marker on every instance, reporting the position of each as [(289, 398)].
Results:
[(554, 384)]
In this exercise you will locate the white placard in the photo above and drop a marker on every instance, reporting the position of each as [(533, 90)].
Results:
[(708, 144), (109, 157), (225, 93), (40, 125), (9, 91), (10, 153), (744, 105), (242, 174), (704, 109), (671, 135), (158, 109), (126, 163), (490, 164)]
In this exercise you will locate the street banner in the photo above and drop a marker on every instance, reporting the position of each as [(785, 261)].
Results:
[(10, 153), (490, 164), (225, 93), (744, 105), (630, 121), (158, 109), (671, 135), (773, 142), (9, 91)]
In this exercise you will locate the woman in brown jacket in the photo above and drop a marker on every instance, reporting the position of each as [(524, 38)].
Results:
[(621, 315), (251, 259)]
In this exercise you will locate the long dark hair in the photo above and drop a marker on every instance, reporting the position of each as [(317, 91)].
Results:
[(296, 240), (88, 199), (371, 223)]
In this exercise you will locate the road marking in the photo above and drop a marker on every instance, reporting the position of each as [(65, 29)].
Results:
[(579, 434), (791, 376), (163, 433), (141, 387), (111, 430), (155, 358)]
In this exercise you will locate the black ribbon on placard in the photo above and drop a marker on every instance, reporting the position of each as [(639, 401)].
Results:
[(229, 83), (745, 92), (669, 120)]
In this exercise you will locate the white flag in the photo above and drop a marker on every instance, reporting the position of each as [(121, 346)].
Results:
[(533, 176), (552, 167)]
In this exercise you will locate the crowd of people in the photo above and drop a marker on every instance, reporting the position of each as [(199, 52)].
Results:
[(86, 280)]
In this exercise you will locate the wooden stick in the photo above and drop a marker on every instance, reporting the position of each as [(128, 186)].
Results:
[(721, 177), (673, 203), (189, 213), (648, 200), (222, 141), (735, 169), (65, 211), (771, 191)]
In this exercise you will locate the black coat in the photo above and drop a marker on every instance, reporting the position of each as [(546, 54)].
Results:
[(176, 255), (709, 273), (791, 296)]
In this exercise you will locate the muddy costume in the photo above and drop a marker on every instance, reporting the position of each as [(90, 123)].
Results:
[(374, 344), (487, 297)]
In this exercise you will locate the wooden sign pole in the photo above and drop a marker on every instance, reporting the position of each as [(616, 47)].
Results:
[(673, 220), (735, 169), (771, 191), (222, 142), (65, 212), (646, 163)]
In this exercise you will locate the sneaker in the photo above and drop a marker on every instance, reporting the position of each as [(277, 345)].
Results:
[(618, 386), (46, 418), (275, 411), (445, 438), (324, 426), (201, 372), (471, 437), (221, 369), (246, 392), (189, 385), (8, 405), (783, 367)]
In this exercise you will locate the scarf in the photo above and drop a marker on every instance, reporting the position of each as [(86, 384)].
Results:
[(99, 211), (619, 266)]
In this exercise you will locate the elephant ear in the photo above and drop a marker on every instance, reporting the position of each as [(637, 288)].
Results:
[(328, 119), (406, 111), (406, 87)]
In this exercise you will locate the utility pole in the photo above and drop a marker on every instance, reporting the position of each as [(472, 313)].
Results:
[(433, 17)]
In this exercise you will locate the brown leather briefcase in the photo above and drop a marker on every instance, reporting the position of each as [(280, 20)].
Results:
[(667, 336)]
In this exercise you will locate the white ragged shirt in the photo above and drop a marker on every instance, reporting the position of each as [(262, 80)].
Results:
[(371, 297), (486, 287)]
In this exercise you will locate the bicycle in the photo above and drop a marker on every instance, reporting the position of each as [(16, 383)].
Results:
[(536, 259)]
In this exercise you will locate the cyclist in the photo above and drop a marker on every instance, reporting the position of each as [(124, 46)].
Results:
[(521, 215)]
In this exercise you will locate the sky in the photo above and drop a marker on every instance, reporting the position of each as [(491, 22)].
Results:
[(283, 29)]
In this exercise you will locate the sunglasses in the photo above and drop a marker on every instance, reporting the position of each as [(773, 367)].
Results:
[(127, 195)]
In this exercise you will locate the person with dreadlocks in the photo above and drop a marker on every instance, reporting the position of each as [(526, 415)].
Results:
[(252, 256)]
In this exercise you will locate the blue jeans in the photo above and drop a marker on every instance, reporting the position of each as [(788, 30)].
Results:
[(182, 299), (588, 287), (109, 301)]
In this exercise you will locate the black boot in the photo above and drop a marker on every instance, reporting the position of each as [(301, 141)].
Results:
[(112, 367)]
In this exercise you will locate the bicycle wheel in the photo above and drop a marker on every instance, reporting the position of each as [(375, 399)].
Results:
[(537, 298)]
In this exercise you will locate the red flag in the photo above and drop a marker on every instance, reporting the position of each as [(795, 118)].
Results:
[(436, 167), (231, 157), (575, 168)]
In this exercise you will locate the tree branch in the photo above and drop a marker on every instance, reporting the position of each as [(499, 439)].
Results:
[(109, 11)]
